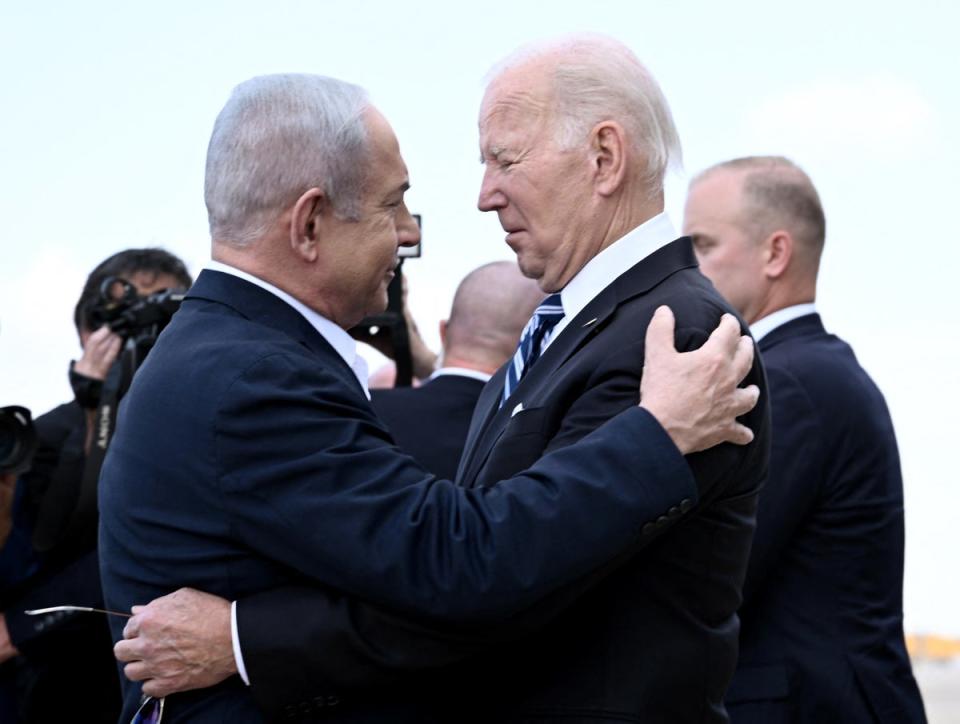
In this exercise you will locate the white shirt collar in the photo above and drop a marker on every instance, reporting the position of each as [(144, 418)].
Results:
[(342, 342), (460, 372), (762, 327), (610, 263)]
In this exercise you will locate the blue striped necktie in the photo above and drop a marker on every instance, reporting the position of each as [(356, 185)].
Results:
[(544, 319)]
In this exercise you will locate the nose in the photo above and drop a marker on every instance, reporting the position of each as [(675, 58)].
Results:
[(408, 230), (491, 197)]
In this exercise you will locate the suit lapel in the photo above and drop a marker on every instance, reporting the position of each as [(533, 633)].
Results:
[(484, 410), (489, 421)]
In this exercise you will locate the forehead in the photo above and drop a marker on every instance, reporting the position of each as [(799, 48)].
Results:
[(516, 101), (715, 197), (148, 282)]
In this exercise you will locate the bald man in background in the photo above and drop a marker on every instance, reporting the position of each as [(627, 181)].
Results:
[(430, 422), (821, 636)]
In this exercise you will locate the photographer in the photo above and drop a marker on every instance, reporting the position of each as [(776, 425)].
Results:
[(60, 661)]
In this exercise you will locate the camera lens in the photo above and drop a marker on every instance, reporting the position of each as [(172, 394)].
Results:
[(17, 439)]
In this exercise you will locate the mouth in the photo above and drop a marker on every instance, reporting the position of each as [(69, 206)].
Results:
[(512, 235)]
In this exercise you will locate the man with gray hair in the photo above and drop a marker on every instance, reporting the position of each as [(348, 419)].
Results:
[(247, 456), (822, 620)]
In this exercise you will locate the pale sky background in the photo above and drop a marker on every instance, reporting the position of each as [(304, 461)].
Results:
[(107, 108)]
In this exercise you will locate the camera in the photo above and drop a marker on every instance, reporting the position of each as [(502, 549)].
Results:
[(130, 315), (18, 439)]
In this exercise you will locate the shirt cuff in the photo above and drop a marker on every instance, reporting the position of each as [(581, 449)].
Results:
[(235, 638)]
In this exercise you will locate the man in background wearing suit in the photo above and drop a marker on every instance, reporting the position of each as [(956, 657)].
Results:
[(247, 456), (490, 308), (822, 621), (575, 138)]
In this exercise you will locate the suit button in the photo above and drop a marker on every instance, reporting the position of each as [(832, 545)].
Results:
[(648, 528), (332, 700), (674, 511), (291, 711), (305, 708), (662, 521), (685, 505)]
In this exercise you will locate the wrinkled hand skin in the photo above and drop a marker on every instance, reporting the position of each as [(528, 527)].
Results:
[(178, 642), (7, 649), (694, 395)]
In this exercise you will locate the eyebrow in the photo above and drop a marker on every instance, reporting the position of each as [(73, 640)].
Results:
[(401, 189), (492, 152)]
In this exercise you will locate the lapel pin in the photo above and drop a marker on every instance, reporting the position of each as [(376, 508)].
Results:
[(590, 322)]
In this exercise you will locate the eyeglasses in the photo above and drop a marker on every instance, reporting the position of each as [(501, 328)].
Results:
[(151, 709)]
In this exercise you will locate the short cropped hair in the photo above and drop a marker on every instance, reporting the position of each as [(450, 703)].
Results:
[(777, 193), (125, 264), (277, 137), (597, 78)]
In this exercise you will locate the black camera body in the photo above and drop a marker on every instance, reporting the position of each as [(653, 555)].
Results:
[(132, 316), (18, 439)]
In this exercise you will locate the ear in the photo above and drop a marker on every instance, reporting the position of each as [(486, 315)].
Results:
[(307, 213), (608, 146), (778, 253), (443, 333)]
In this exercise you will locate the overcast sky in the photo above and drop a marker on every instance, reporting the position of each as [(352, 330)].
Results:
[(107, 108)]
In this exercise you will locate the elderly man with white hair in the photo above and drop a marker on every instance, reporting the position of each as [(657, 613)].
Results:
[(575, 138)]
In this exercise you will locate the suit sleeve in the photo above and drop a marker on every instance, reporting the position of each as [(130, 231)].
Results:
[(353, 645), (352, 513), (791, 490)]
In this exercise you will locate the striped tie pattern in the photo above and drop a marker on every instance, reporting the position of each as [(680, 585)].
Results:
[(544, 319)]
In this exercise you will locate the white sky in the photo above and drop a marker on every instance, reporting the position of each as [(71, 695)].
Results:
[(107, 108)]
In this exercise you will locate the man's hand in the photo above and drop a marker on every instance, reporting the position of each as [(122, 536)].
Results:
[(99, 354), (694, 395), (178, 642), (7, 649)]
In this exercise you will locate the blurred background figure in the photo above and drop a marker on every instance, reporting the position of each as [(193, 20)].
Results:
[(60, 667), (430, 422), (821, 636)]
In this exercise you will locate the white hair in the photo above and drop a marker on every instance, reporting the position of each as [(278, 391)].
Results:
[(277, 137), (597, 78)]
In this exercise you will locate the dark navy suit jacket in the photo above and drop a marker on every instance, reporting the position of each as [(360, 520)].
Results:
[(822, 621), (430, 422), (247, 457), (650, 638)]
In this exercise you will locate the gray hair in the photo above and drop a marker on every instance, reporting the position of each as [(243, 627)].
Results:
[(277, 137), (777, 193), (597, 78)]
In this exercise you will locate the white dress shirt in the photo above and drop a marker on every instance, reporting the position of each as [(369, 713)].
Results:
[(460, 372), (764, 326), (599, 272)]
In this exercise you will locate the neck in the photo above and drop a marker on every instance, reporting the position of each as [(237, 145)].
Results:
[(633, 208), (780, 298), (452, 359)]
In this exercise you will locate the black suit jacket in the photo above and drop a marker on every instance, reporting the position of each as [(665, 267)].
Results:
[(822, 621), (652, 637), (430, 421), (247, 456)]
